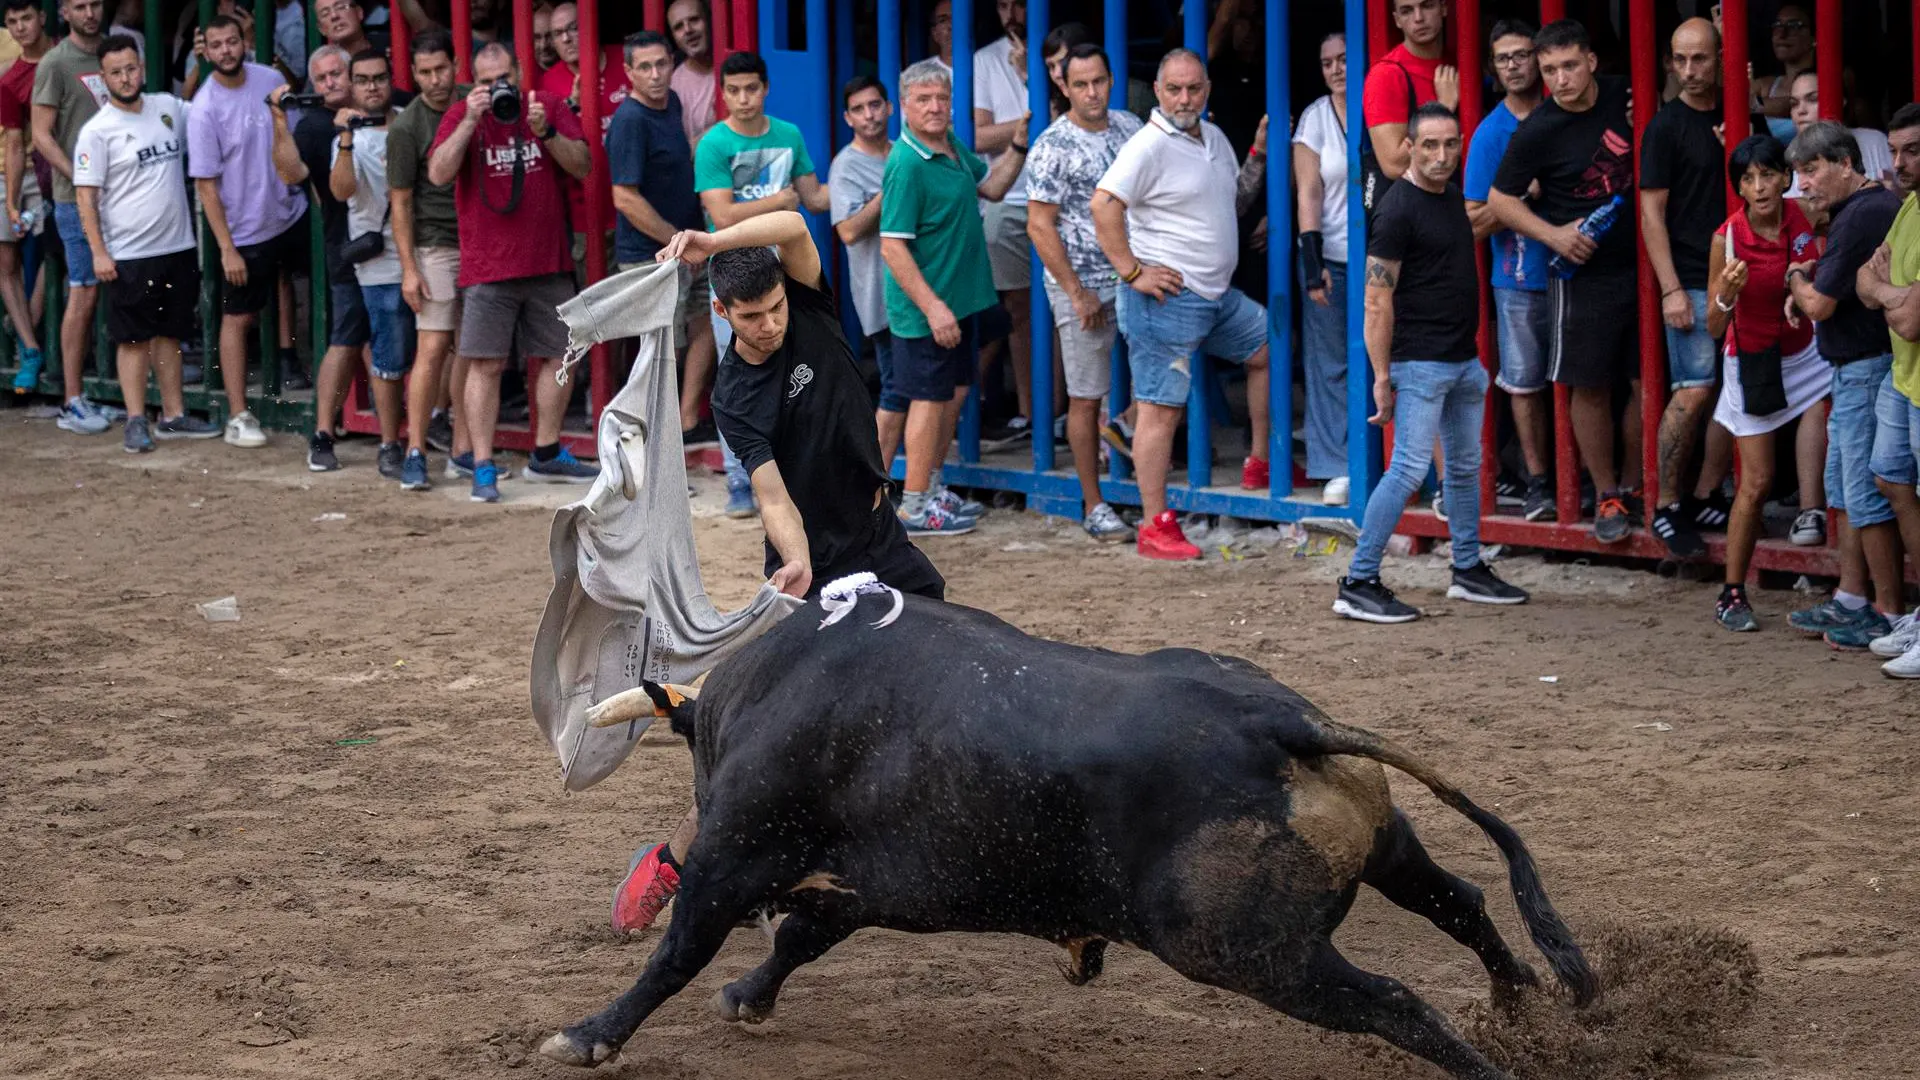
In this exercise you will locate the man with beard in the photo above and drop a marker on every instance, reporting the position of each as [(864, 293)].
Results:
[(130, 179), (251, 211), (67, 91), (1166, 215), (693, 79), (1683, 187)]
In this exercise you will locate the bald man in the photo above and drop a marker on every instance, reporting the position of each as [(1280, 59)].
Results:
[(1683, 186)]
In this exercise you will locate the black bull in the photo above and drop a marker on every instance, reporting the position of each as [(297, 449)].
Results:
[(949, 772)]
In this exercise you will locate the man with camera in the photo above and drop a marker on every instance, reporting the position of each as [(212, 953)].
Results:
[(129, 177), (505, 155), (252, 212), (426, 239), (303, 156), (358, 178)]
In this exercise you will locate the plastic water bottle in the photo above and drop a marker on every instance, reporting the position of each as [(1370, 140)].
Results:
[(28, 219), (1593, 228)]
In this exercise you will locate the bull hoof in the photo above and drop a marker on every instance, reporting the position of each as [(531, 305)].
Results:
[(735, 1011), (568, 1050)]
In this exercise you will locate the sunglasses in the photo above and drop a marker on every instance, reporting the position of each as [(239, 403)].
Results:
[(1789, 26)]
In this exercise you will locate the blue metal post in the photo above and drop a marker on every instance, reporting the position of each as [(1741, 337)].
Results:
[(1199, 418), (802, 86), (1363, 445), (1116, 33), (1041, 325), (889, 58), (1279, 252), (969, 433), (844, 66)]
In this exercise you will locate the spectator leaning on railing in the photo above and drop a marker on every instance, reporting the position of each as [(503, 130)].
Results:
[(130, 178), (26, 209), (67, 91), (358, 177), (515, 265)]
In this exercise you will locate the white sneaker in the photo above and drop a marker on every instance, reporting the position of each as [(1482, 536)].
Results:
[(1336, 492), (1904, 666), (244, 431), (1904, 635), (82, 417)]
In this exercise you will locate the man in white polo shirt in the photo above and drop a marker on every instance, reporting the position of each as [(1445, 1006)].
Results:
[(1165, 214)]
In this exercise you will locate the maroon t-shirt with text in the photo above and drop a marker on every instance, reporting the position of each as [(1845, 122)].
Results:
[(16, 113), (531, 240)]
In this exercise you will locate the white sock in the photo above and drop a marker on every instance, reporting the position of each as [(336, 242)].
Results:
[(1849, 600)]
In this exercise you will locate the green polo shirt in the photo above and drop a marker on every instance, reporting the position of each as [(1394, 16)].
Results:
[(929, 200)]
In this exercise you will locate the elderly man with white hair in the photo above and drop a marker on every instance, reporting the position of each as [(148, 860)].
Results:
[(939, 283)]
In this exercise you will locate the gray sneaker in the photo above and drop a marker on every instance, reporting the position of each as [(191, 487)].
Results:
[(185, 426), (392, 459), (1105, 526), (137, 440)]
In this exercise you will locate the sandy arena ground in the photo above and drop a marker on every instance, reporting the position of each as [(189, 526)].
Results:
[(327, 841)]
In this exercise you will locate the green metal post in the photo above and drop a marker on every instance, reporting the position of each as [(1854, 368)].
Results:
[(320, 284), (156, 71), (269, 315), (210, 278)]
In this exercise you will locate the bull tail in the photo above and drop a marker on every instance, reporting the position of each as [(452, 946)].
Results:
[(1544, 925)]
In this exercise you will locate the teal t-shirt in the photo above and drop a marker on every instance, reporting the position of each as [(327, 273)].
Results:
[(750, 167), (929, 200)]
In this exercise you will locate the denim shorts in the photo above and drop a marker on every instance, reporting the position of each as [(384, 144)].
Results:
[(386, 331), (1897, 436), (1163, 335), (1851, 442), (1692, 358), (66, 218), (347, 325), (1520, 316)]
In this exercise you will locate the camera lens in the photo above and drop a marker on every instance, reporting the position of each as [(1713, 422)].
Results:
[(503, 101)]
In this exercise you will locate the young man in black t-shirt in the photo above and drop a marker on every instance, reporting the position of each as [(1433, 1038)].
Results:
[(1423, 312), (790, 401), (1579, 146)]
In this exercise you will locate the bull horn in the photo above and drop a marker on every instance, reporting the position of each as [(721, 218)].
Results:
[(634, 704)]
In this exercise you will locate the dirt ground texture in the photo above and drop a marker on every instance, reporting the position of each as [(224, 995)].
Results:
[(210, 871)]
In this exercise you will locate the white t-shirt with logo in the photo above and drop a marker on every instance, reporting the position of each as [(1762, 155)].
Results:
[(1001, 90), (1179, 192), (367, 209), (138, 161)]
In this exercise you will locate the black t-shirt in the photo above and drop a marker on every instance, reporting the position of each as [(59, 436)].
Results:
[(1859, 225), (1582, 160), (1681, 155), (1436, 305), (807, 410), (314, 136)]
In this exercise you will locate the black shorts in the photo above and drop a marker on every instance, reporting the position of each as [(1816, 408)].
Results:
[(923, 371), (886, 553), (1594, 330), (265, 261), (154, 297), (347, 325)]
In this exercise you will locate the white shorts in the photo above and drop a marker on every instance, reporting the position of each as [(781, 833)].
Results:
[(1085, 355)]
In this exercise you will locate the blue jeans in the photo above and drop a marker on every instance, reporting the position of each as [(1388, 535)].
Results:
[(385, 331), (1692, 358), (1431, 397), (1163, 335), (73, 238), (1323, 342), (1850, 438), (1522, 320), (737, 477)]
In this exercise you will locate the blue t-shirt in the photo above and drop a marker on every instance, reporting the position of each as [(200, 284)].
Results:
[(1518, 263), (647, 149)]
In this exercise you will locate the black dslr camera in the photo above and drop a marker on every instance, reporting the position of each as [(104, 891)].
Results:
[(503, 101), (357, 122), (299, 101)]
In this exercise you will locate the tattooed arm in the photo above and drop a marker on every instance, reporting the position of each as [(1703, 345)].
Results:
[(1383, 276)]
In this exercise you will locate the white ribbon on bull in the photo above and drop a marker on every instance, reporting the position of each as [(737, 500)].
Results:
[(628, 603), (841, 595)]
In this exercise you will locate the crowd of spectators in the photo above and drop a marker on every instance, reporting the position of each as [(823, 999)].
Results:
[(454, 224)]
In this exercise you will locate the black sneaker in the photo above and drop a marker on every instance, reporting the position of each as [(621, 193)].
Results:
[(1370, 601), (393, 459), (320, 453), (1733, 611), (1478, 584), (1712, 512), (1683, 541), (700, 436), (293, 374), (1611, 520), (440, 431), (1539, 502), (1509, 490)]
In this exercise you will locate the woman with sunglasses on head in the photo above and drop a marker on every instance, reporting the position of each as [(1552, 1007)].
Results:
[(1774, 373)]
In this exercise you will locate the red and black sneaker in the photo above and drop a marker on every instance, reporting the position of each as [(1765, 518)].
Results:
[(651, 881)]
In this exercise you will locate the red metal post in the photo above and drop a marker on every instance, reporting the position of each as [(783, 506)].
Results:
[(1467, 52), (463, 40), (592, 102), (523, 47), (746, 25), (1737, 86), (1566, 458), (1377, 40), (1552, 11), (400, 60), (1826, 57), (1653, 369), (720, 28), (656, 16)]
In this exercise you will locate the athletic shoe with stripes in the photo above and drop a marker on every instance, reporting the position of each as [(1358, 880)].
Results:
[(643, 894)]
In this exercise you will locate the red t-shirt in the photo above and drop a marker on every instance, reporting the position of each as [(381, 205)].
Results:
[(557, 84), (1385, 100), (16, 95), (533, 238)]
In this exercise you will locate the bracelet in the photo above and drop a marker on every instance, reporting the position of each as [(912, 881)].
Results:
[(345, 147), (1018, 149), (1128, 279), (1724, 307), (1675, 289)]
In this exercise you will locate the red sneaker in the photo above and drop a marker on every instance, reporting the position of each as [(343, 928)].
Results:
[(649, 884), (1161, 538), (1255, 475)]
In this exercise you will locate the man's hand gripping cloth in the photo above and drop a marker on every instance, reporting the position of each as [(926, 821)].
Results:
[(627, 601)]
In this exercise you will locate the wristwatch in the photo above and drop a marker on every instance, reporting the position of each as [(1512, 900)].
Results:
[(551, 132)]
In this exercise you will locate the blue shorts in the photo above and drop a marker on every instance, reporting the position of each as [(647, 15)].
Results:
[(1520, 316), (388, 334), (1896, 438), (922, 370), (1163, 335), (1692, 358), (1851, 442), (891, 399), (66, 218)]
